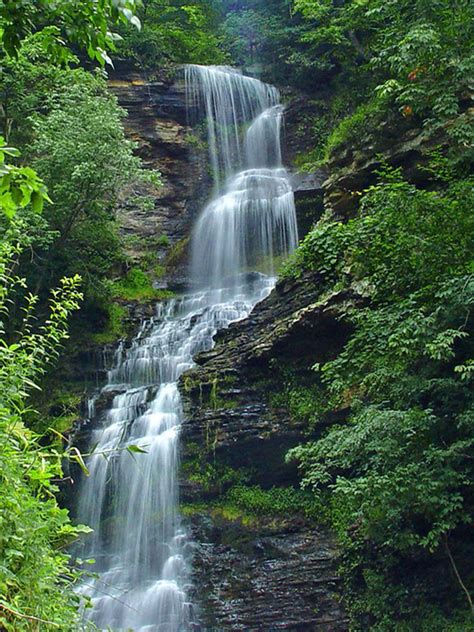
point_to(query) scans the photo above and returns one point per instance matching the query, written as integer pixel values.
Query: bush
(353, 127)
(395, 476)
(277, 501)
(35, 576)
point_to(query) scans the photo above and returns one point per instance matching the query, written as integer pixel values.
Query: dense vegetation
(174, 31)
(395, 477)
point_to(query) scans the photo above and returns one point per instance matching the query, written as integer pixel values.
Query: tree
(182, 31)
(420, 52)
(71, 22)
(80, 150)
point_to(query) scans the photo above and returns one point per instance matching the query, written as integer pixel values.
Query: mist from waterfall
(142, 551)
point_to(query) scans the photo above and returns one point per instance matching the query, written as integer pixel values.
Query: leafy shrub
(395, 477)
(35, 576)
(322, 250)
(277, 501)
(353, 127)
(135, 286)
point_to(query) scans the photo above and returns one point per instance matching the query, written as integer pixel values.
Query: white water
(131, 497)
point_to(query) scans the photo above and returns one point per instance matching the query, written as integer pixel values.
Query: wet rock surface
(266, 579)
(157, 122)
(264, 574)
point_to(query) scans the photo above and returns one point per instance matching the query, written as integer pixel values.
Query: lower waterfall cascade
(141, 550)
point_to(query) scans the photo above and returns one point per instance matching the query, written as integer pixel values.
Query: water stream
(139, 544)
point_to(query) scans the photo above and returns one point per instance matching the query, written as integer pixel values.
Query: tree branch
(458, 576)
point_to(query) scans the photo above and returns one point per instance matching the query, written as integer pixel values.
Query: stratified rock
(157, 122)
(262, 576)
(398, 143)
(261, 579)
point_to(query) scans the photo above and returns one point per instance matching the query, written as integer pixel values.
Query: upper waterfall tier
(251, 221)
(229, 100)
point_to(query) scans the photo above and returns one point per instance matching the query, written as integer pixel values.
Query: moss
(177, 254)
(268, 265)
(194, 141)
(254, 506)
(163, 241)
(137, 286)
(277, 501)
(332, 132)
(58, 407)
(214, 394)
(232, 513)
(352, 127)
(115, 328)
(219, 512)
(158, 271)
(210, 475)
(192, 509)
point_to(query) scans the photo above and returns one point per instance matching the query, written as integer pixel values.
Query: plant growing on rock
(396, 474)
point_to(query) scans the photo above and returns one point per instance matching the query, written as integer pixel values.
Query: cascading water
(253, 219)
(130, 499)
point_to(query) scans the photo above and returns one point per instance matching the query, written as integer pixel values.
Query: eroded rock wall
(259, 572)
(157, 121)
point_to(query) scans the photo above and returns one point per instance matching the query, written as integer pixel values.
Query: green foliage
(71, 131)
(353, 127)
(277, 501)
(182, 31)
(82, 22)
(322, 249)
(72, 128)
(19, 186)
(137, 286)
(177, 254)
(163, 241)
(56, 410)
(390, 248)
(305, 403)
(115, 327)
(396, 476)
(210, 476)
(350, 93)
(262, 35)
(35, 575)
(80, 150)
(387, 59)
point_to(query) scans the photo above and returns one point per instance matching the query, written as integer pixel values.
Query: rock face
(258, 573)
(308, 187)
(267, 579)
(157, 122)
(398, 143)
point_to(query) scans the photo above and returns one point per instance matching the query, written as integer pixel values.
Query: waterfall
(140, 547)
